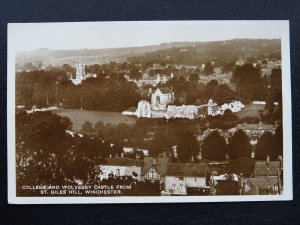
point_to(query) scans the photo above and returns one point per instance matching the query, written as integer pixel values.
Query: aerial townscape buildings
(162, 124)
(193, 178)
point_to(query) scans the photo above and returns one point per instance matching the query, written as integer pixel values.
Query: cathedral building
(80, 74)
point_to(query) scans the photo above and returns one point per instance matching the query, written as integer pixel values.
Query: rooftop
(164, 90)
(161, 164)
(256, 126)
(123, 162)
(187, 169)
(265, 168)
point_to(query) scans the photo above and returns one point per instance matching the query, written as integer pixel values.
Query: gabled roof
(161, 165)
(164, 90)
(124, 162)
(266, 168)
(187, 169)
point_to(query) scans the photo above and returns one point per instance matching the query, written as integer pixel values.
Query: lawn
(79, 117)
(250, 111)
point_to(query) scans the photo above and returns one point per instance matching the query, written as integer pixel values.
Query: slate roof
(266, 169)
(187, 169)
(124, 162)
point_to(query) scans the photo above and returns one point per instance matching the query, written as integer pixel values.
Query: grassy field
(250, 111)
(78, 117)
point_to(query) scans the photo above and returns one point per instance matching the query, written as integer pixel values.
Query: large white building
(80, 74)
(119, 167)
(213, 109)
(160, 107)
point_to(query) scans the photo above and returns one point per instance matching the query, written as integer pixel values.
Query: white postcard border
(282, 25)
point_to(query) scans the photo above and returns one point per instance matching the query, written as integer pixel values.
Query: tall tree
(214, 147)
(187, 146)
(265, 147)
(87, 127)
(249, 82)
(239, 145)
(208, 69)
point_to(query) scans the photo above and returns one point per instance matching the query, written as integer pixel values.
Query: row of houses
(193, 178)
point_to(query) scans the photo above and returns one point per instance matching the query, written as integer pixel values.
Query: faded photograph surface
(184, 111)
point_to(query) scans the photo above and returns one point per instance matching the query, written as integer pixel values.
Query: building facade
(180, 177)
(118, 167)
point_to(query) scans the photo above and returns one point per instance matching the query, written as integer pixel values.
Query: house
(118, 167)
(154, 169)
(182, 178)
(266, 179)
(256, 130)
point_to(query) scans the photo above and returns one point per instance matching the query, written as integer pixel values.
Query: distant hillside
(202, 52)
(176, 52)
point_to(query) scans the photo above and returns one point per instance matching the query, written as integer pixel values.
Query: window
(181, 187)
(152, 174)
(118, 172)
(174, 186)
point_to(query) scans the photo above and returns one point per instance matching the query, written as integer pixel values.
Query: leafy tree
(214, 147)
(278, 141)
(160, 143)
(244, 165)
(187, 146)
(239, 145)
(228, 67)
(194, 78)
(249, 82)
(208, 69)
(265, 147)
(87, 127)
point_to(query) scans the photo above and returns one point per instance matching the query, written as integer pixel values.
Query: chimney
(122, 155)
(154, 161)
(150, 91)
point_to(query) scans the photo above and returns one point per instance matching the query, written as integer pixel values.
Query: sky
(97, 35)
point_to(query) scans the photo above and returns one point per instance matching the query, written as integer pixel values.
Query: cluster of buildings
(81, 74)
(213, 109)
(254, 131)
(148, 80)
(193, 178)
(222, 78)
(161, 107)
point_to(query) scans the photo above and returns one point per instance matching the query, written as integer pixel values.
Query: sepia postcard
(149, 112)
